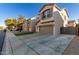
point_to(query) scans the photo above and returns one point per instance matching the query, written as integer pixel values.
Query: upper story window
(47, 14)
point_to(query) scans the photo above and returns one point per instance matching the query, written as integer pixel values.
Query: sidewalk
(12, 46)
(6, 46)
(73, 48)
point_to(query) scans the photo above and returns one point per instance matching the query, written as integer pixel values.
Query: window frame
(46, 13)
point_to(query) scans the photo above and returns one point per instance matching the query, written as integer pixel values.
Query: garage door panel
(46, 29)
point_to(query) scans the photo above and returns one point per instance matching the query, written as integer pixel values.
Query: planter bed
(22, 33)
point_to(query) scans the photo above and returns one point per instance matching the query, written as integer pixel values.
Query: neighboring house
(27, 26)
(34, 21)
(30, 26)
(52, 18)
(71, 23)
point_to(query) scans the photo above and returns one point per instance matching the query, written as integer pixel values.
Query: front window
(47, 13)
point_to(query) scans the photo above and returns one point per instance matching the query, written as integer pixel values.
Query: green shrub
(23, 33)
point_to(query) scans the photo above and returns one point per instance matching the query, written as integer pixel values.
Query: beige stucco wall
(71, 24)
(59, 20)
(25, 27)
(55, 9)
(58, 23)
(37, 28)
(65, 17)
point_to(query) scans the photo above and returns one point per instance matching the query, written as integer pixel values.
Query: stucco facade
(30, 26)
(71, 23)
(56, 19)
(27, 26)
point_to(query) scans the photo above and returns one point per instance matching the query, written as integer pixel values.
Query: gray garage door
(46, 29)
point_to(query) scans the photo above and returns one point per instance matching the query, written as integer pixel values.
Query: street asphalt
(2, 36)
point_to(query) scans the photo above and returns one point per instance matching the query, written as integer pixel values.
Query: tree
(20, 22)
(10, 22)
(21, 19)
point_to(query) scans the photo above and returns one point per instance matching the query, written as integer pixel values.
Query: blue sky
(10, 10)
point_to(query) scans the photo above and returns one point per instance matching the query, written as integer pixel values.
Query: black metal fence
(69, 30)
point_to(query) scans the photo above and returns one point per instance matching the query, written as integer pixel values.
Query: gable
(45, 7)
(55, 9)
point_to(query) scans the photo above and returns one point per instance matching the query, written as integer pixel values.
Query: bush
(23, 33)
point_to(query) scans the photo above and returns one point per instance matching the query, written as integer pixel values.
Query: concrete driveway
(47, 44)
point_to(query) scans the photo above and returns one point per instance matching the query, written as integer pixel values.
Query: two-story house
(52, 18)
